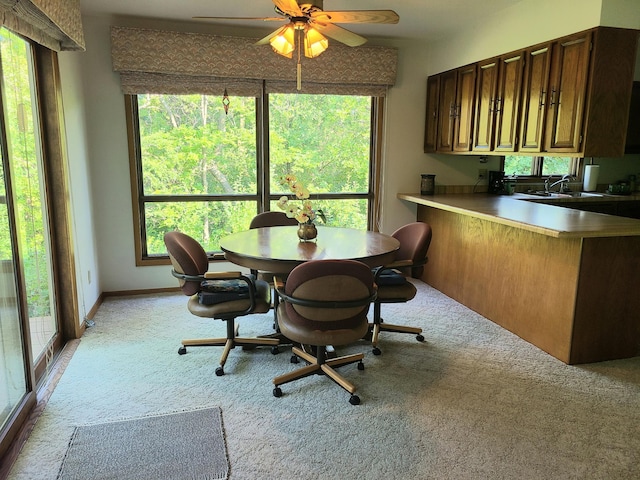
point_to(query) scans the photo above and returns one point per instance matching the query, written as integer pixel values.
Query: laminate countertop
(526, 212)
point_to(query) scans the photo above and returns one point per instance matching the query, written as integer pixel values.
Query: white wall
(106, 143)
(80, 178)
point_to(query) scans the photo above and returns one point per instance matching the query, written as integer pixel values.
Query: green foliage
(189, 146)
(523, 166)
(25, 172)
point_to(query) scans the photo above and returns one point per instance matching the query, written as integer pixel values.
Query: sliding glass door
(27, 178)
(28, 322)
(13, 378)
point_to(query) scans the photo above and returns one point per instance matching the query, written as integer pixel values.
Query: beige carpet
(472, 402)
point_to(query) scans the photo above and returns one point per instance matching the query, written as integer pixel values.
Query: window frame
(537, 163)
(263, 196)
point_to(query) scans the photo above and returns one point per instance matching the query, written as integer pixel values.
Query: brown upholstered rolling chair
(272, 219)
(190, 265)
(324, 302)
(414, 239)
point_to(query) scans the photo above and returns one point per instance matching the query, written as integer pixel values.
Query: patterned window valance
(56, 24)
(155, 61)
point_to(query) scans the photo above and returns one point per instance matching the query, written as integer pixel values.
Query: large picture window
(207, 172)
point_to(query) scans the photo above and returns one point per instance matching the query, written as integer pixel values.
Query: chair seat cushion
(396, 293)
(239, 306)
(390, 276)
(219, 291)
(302, 333)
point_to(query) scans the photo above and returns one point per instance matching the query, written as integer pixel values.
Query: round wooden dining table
(278, 249)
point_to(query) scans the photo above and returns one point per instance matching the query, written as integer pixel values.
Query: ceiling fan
(310, 23)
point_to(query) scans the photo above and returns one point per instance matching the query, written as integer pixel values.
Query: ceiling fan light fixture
(283, 42)
(314, 43)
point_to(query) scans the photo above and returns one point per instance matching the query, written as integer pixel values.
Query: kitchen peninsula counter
(564, 280)
(530, 213)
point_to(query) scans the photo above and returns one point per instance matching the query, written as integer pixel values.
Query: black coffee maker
(496, 182)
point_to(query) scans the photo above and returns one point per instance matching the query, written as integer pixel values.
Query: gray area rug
(185, 445)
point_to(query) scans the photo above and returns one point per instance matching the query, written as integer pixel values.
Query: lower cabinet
(621, 208)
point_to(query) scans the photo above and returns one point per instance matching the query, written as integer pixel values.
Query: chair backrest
(327, 282)
(272, 219)
(414, 239)
(187, 257)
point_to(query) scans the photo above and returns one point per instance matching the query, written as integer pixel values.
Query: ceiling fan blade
(265, 19)
(340, 34)
(265, 40)
(289, 7)
(357, 16)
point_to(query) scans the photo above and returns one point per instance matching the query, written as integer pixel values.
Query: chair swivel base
(228, 344)
(320, 365)
(376, 327)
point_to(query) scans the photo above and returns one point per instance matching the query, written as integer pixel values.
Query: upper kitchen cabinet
(485, 105)
(566, 93)
(534, 97)
(497, 103)
(508, 102)
(455, 111)
(431, 121)
(567, 96)
(609, 91)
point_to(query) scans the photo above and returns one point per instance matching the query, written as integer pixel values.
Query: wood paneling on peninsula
(542, 272)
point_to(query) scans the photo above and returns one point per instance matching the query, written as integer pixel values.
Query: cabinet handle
(492, 106)
(452, 110)
(553, 97)
(543, 95)
(498, 105)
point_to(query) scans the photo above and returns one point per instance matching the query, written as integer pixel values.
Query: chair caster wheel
(354, 400)
(294, 359)
(182, 350)
(219, 371)
(275, 350)
(360, 366)
(420, 338)
(376, 351)
(277, 392)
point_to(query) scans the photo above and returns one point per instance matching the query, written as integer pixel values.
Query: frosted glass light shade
(283, 42)
(314, 43)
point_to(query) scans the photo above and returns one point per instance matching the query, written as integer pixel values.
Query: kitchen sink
(563, 195)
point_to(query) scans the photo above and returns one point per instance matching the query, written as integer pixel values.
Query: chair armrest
(206, 276)
(328, 303)
(222, 275)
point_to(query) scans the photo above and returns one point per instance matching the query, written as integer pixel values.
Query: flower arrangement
(303, 212)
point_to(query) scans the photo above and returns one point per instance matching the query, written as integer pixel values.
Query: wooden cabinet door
(431, 120)
(508, 102)
(567, 93)
(485, 105)
(463, 122)
(446, 111)
(534, 98)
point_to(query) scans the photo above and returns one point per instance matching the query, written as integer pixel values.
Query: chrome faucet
(562, 182)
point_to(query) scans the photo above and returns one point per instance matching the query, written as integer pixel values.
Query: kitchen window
(207, 172)
(526, 167)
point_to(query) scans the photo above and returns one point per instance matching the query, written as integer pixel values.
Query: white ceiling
(424, 19)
